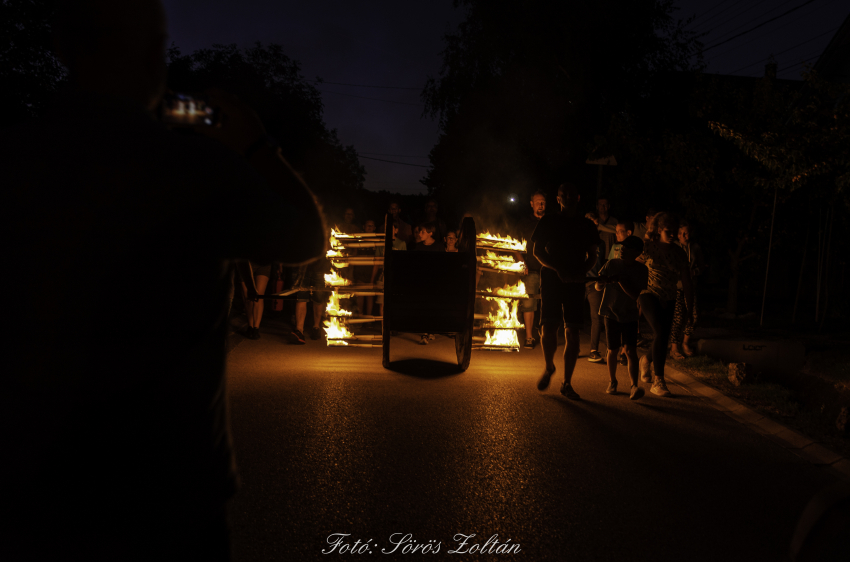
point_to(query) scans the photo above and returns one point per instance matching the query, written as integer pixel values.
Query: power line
(737, 15)
(774, 30)
(393, 155)
(702, 15)
(786, 50)
(800, 64)
(759, 25)
(749, 21)
(373, 99)
(364, 85)
(391, 162)
(721, 12)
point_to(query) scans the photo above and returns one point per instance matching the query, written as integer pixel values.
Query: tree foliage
(524, 86)
(290, 108)
(29, 71)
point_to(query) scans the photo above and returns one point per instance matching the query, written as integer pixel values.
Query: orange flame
(517, 290)
(336, 330)
(501, 262)
(337, 342)
(506, 317)
(335, 254)
(506, 242)
(333, 307)
(336, 244)
(502, 338)
(333, 279)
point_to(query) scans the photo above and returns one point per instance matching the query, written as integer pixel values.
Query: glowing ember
(505, 242)
(339, 234)
(506, 316)
(333, 305)
(502, 338)
(333, 279)
(336, 330)
(337, 342)
(501, 262)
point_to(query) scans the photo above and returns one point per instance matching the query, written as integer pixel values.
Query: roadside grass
(769, 399)
(832, 364)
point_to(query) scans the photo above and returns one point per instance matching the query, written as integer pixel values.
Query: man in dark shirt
(566, 244)
(531, 279)
(113, 418)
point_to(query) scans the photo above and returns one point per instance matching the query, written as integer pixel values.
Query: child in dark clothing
(622, 280)
(426, 241)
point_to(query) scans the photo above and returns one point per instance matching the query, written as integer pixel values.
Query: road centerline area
(327, 441)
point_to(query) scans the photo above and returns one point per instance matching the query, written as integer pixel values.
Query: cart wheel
(386, 346)
(388, 279)
(463, 347)
(463, 340)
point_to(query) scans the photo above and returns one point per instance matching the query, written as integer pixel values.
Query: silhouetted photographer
(122, 235)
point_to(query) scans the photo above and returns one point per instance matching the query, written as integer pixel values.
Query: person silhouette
(114, 407)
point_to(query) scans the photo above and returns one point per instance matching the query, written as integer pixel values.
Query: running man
(565, 243)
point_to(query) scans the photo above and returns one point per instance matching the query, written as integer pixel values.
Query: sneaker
(645, 367)
(298, 337)
(423, 340)
(594, 357)
(612, 388)
(256, 334)
(659, 388)
(529, 343)
(432, 337)
(315, 333)
(545, 379)
(637, 393)
(567, 390)
(624, 361)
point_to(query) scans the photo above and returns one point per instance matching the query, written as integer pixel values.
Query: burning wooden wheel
(431, 293)
(428, 292)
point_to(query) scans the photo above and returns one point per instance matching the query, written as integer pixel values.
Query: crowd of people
(624, 271)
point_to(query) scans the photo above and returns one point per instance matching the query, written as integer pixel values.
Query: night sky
(396, 45)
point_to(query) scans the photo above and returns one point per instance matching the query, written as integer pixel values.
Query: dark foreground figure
(120, 237)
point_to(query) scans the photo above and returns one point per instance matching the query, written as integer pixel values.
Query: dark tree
(29, 71)
(525, 86)
(290, 108)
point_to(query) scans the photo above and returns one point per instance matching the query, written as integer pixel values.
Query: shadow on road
(424, 368)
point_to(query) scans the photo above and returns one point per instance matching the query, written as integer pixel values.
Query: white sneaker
(659, 388)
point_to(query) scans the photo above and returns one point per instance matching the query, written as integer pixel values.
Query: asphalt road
(328, 441)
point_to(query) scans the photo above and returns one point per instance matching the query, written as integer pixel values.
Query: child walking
(622, 280)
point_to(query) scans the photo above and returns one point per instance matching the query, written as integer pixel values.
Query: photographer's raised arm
(292, 223)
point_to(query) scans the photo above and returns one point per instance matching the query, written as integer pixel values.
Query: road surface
(330, 445)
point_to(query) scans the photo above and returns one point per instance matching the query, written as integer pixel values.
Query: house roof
(834, 62)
